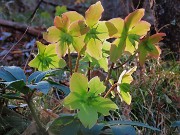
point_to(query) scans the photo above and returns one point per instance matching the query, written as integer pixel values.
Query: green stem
(77, 62)
(109, 74)
(69, 60)
(89, 71)
(37, 120)
(79, 57)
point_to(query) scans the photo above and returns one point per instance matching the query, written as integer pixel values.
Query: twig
(109, 91)
(89, 71)
(109, 74)
(77, 62)
(69, 60)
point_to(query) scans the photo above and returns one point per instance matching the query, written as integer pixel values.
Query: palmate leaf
(86, 97)
(124, 85)
(129, 32)
(148, 47)
(46, 58)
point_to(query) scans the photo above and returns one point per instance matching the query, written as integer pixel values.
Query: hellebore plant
(88, 37)
(86, 97)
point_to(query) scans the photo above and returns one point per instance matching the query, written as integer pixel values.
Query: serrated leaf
(94, 13)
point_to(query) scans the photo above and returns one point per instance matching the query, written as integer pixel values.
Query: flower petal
(141, 28)
(94, 13)
(62, 22)
(52, 35)
(79, 83)
(104, 105)
(96, 86)
(78, 28)
(78, 43)
(73, 16)
(119, 24)
(94, 48)
(61, 49)
(88, 116)
(133, 18)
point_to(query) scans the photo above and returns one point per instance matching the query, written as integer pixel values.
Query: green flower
(46, 58)
(129, 32)
(67, 32)
(85, 96)
(99, 30)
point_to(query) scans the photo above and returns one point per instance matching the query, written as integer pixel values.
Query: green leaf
(61, 49)
(60, 10)
(5, 75)
(96, 86)
(123, 130)
(16, 72)
(88, 116)
(65, 125)
(42, 86)
(103, 63)
(12, 96)
(18, 85)
(132, 123)
(94, 13)
(175, 124)
(78, 83)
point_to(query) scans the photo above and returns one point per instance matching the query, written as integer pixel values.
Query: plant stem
(109, 91)
(37, 120)
(131, 57)
(77, 62)
(79, 57)
(109, 74)
(69, 61)
(89, 71)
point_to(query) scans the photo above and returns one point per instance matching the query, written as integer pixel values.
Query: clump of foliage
(89, 97)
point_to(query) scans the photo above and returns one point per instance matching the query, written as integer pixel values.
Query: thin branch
(77, 62)
(109, 91)
(109, 74)
(69, 60)
(89, 71)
